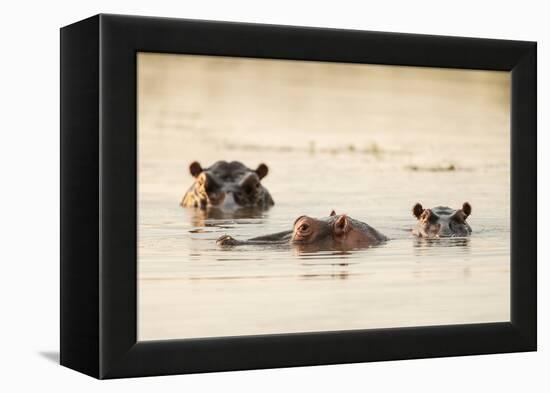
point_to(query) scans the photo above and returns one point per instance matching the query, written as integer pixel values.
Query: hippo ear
(332, 213)
(195, 168)
(467, 209)
(262, 170)
(417, 210)
(342, 225)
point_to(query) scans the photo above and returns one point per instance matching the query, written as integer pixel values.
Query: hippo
(337, 231)
(442, 221)
(227, 185)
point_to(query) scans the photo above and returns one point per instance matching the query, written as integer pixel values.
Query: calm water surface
(369, 142)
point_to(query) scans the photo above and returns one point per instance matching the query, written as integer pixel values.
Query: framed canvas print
(239, 196)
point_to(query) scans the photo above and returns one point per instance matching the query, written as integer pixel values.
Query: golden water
(369, 141)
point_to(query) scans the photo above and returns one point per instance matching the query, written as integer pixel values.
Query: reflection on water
(366, 141)
(215, 217)
(441, 242)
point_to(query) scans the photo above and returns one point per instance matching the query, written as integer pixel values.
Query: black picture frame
(98, 196)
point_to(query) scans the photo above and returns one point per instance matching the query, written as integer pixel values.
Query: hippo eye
(304, 227)
(458, 219)
(251, 187)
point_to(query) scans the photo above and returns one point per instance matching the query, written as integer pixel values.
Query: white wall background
(29, 194)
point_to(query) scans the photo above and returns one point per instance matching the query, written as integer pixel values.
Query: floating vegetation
(372, 149)
(436, 168)
(249, 147)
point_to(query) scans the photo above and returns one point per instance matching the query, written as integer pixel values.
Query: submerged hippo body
(227, 185)
(442, 221)
(333, 232)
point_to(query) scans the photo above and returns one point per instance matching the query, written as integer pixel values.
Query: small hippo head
(336, 229)
(227, 185)
(442, 221)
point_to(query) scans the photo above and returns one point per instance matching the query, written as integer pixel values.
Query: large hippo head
(442, 221)
(227, 185)
(338, 229)
(308, 234)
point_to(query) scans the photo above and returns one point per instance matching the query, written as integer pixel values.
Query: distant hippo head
(227, 185)
(442, 221)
